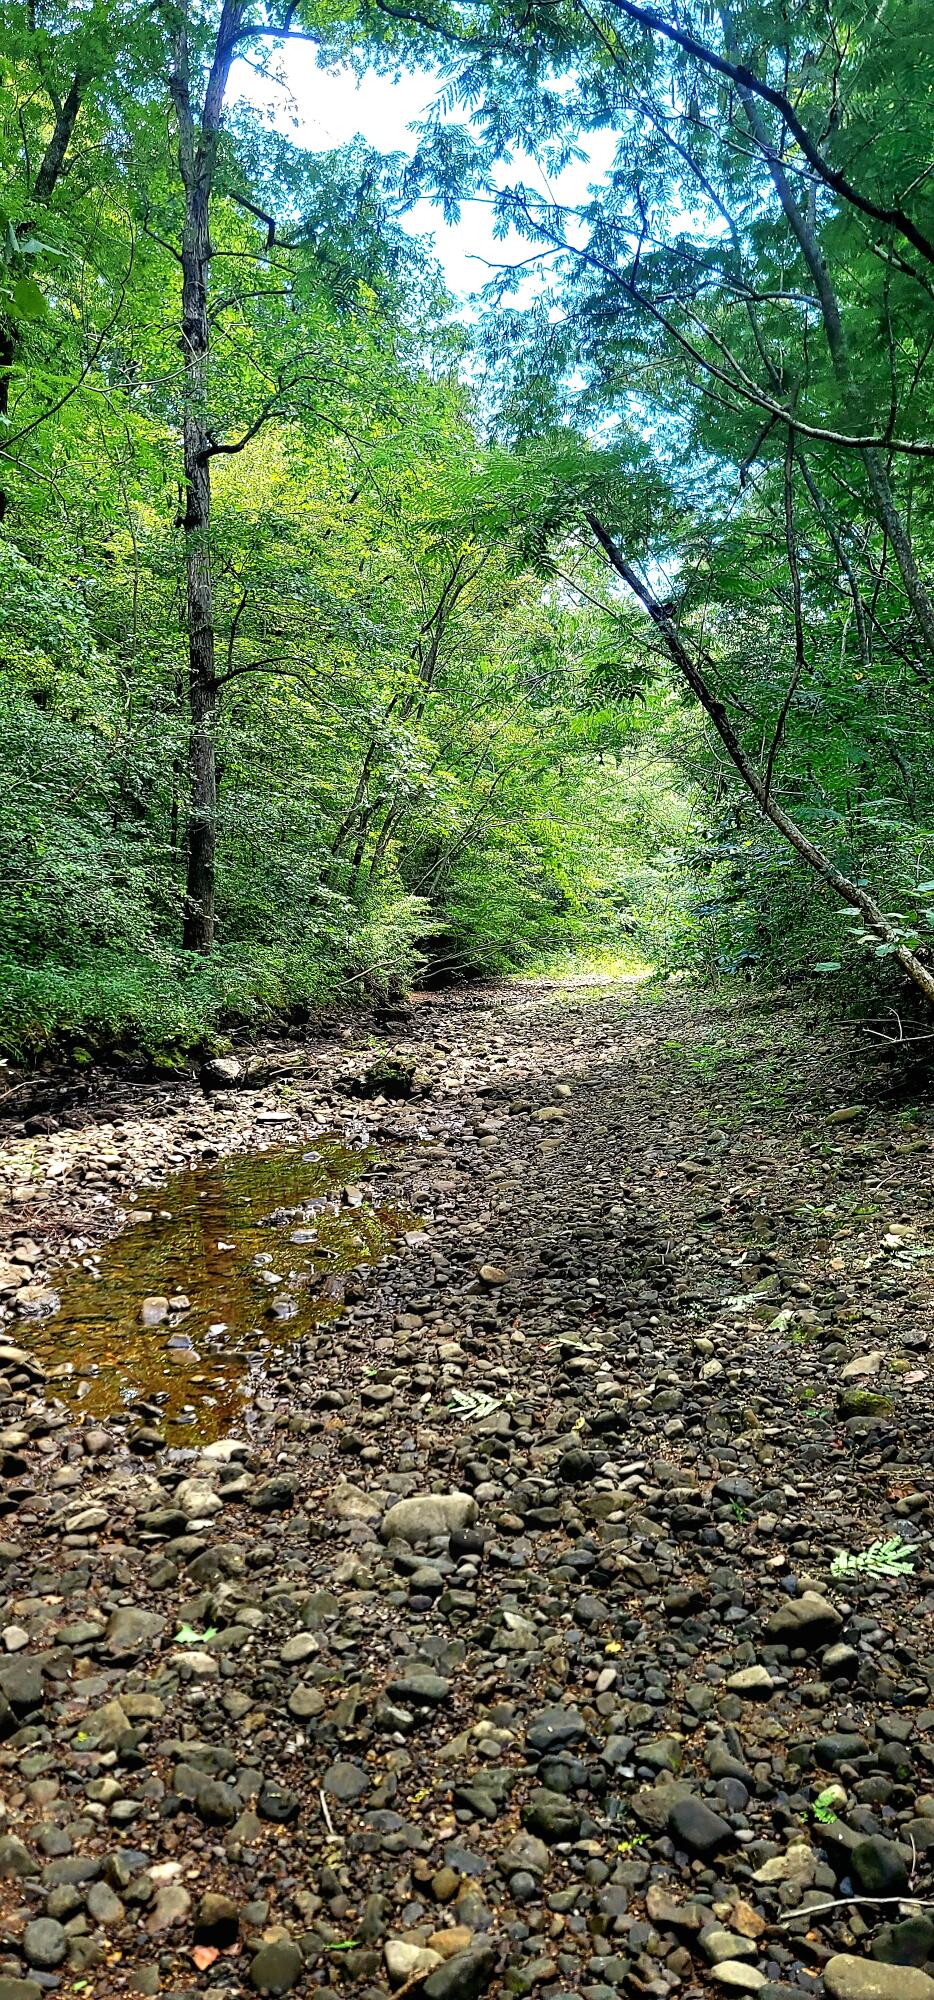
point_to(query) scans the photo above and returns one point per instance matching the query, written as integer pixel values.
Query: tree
(65, 81)
(750, 289)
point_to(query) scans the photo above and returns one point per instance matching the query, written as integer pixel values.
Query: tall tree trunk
(198, 929)
(850, 892)
(197, 160)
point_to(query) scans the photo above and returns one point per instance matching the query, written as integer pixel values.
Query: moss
(863, 1403)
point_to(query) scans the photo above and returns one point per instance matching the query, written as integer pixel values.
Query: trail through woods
(489, 1639)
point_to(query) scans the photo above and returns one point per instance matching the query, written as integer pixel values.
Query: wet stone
(427, 1515)
(879, 1867)
(909, 1942)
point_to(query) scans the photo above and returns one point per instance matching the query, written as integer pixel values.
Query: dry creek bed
(432, 1585)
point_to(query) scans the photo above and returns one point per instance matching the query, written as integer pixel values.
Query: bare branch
(694, 676)
(746, 80)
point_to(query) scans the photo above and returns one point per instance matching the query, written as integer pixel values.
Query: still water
(236, 1260)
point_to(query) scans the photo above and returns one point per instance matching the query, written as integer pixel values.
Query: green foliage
(883, 1558)
(705, 355)
(448, 737)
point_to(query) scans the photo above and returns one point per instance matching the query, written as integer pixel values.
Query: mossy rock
(863, 1403)
(391, 1076)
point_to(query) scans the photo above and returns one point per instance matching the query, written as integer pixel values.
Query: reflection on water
(245, 1258)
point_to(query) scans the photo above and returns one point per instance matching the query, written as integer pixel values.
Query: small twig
(901, 1041)
(415, 1979)
(327, 1818)
(844, 1902)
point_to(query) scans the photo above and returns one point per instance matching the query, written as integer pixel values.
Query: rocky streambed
(528, 1589)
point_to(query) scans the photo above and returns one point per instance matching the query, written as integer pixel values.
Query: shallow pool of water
(217, 1250)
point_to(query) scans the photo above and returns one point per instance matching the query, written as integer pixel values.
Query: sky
(322, 110)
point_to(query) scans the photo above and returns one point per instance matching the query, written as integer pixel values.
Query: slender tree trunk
(197, 158)
(53, 160)
(198, 930)
(43, 188)
(849, 891)
(7, 363)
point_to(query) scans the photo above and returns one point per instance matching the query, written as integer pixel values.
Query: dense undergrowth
(88, 959)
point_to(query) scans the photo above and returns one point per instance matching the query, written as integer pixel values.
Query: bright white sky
(321, 110)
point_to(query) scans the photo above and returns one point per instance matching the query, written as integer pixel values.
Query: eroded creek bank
(436, 1589)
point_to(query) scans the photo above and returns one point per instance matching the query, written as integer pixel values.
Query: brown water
(211, 1240)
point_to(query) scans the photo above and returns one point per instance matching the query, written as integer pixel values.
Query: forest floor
(430, 1588)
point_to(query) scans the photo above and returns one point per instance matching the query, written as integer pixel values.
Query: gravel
(497, 1643)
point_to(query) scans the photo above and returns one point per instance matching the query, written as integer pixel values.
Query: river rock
(404, 1960)
(463, 1977)
(217, 1920)
(131, 1631)
(426, 1515)
(45, 1944)
(347, 1502)
(734, 1977)
(879, 1866)
(277, 1967)
(808, 1621)
(694, 1826)
(847, 1978)
(198, 1499)
(220, 1073)
(15, 1858)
